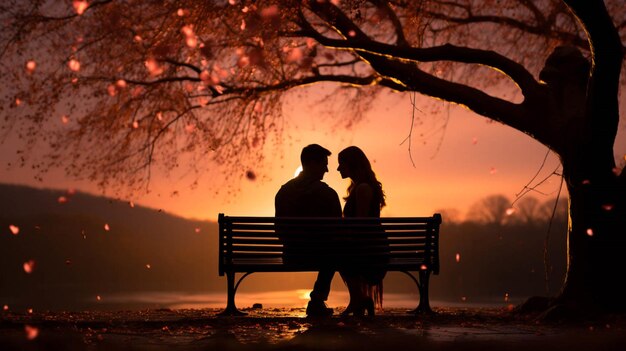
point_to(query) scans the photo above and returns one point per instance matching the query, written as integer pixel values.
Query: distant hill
(77, 259)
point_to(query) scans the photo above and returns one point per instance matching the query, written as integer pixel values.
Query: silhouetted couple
(307, 196)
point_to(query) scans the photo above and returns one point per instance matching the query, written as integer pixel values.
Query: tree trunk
(596, 243)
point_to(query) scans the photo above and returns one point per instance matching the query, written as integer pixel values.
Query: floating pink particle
(31, 332)
(493, 170)
(232, 2)
(65, 119)
(68, 262)
(30, 311)
(458, 257)
(80, 6)
(153, 67)
(243, 25)
(474, 141)
(191, 41)
(607, 207)
(14, 229)
(131, 204)
(98, 298)
(506, 297)
(62, 199)
(135, 124)
(137, 38)
(30, 66)
(148, 266)
(423, 267)
(180, 12)
(5, 307)
(106, 227)
(351, 33)
(111, 90)
(586, 182)
(29, 266)
(463, 298)
(74, 65)
(590, 232)
(190, 128)
(197, 230)
(18, 101)
(510, 211)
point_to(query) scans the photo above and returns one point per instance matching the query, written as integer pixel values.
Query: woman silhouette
(365, 199)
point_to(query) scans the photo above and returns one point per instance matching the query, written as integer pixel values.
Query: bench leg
(231, 309)
(424, 303)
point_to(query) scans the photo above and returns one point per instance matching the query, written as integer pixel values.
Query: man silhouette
(307, 196)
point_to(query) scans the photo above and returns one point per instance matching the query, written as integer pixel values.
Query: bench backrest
(270, 244)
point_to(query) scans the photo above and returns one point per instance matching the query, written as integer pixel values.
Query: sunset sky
(455, 166)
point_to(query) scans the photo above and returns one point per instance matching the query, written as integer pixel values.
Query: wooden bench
(268, 244)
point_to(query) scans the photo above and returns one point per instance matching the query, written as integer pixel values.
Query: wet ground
(289, 329)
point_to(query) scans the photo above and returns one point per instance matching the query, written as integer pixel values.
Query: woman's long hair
(355, 159)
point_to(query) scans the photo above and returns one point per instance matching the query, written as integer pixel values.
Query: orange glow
(29, 266)
(14, 229)
(31, 332)
(80, 6)
(74, 65)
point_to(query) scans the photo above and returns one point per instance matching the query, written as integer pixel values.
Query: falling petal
(5, 307)
(80, 6)
(463, 298)
(510, 211)
(586, 182)
(243, 25)
(132, 204)
(474, 141)
(148, 266)
(180, 12)
(68, 262)
(31, 332)
(423, 267)
(18, 101)
(14, 229)
(351, 33)
(65, 119)
(458, 257)
(30, 66)
(98, 298)
(111, 90)
(191, 42)
(190, 128)
(590, 232)
(62, 199)
(29, 266)
(106, 227)
(607, 207)
(135, 124)
(232, 2)
(30, 311)
(506, 297)
(74, 65)
(153, 67)
(121, 83)
(250, 175)
(493, 170)
(137, 38)
(197, 230)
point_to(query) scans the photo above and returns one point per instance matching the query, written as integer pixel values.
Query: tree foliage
(119, 87)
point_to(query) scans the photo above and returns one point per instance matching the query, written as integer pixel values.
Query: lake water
(275, 299)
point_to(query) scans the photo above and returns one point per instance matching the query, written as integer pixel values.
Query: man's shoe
(318, 309)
